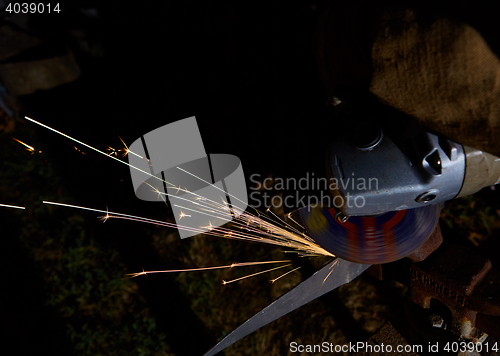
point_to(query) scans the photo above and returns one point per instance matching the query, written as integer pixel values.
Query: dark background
(246, 71)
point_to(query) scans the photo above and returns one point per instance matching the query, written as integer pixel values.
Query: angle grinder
(389, 179)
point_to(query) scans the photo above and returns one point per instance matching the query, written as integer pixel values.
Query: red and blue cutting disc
(371, 240)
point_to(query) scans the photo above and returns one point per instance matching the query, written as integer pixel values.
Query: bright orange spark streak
(149, 220)
(272, 235)
(199, 212)
(242, 264)
(154, 189)
(291, 219)
(28, 147)
(79, 150)
(249, 237)
(158, 223)
(283, 275)
(220, 232)
(12, 206)
(111, 151)
(95, 149)
(131, 217)
(333, 265)
(285, 224)
(241, 215)
(255, 274)
(106, 212)
(127, 151)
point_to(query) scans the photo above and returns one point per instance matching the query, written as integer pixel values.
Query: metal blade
(333, 275)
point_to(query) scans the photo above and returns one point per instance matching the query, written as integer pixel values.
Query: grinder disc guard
(371, 240)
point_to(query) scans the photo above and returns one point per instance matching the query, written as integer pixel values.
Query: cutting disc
(371, 240)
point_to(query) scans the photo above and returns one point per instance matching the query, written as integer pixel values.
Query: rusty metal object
(453, 293)
(463, 280)
(388, 335)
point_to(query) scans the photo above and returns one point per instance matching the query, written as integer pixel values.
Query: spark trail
(243, 225)
(246, 227)
(219, 233)
(12, 206)
(27, 147)
(254, 274)
(95, 149)
(241, 264)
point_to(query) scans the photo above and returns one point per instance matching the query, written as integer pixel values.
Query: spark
(281, 220)
(157, 191)
(252, 233)
(283, 275)
(95, 149)
(209, 227)
(289, 216)
(272, 228)
(200, 212)
(241, 264)
(115, 215)
(254, 274)
(79, 150)
(222, 190)
(276, 235)
(106, 217)
(182, 215)
(27, 147)
(127, 151)
(331, 270)
(109, 214)
(13, 206)
(111, 151)
(244, 226)
(258, 228)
